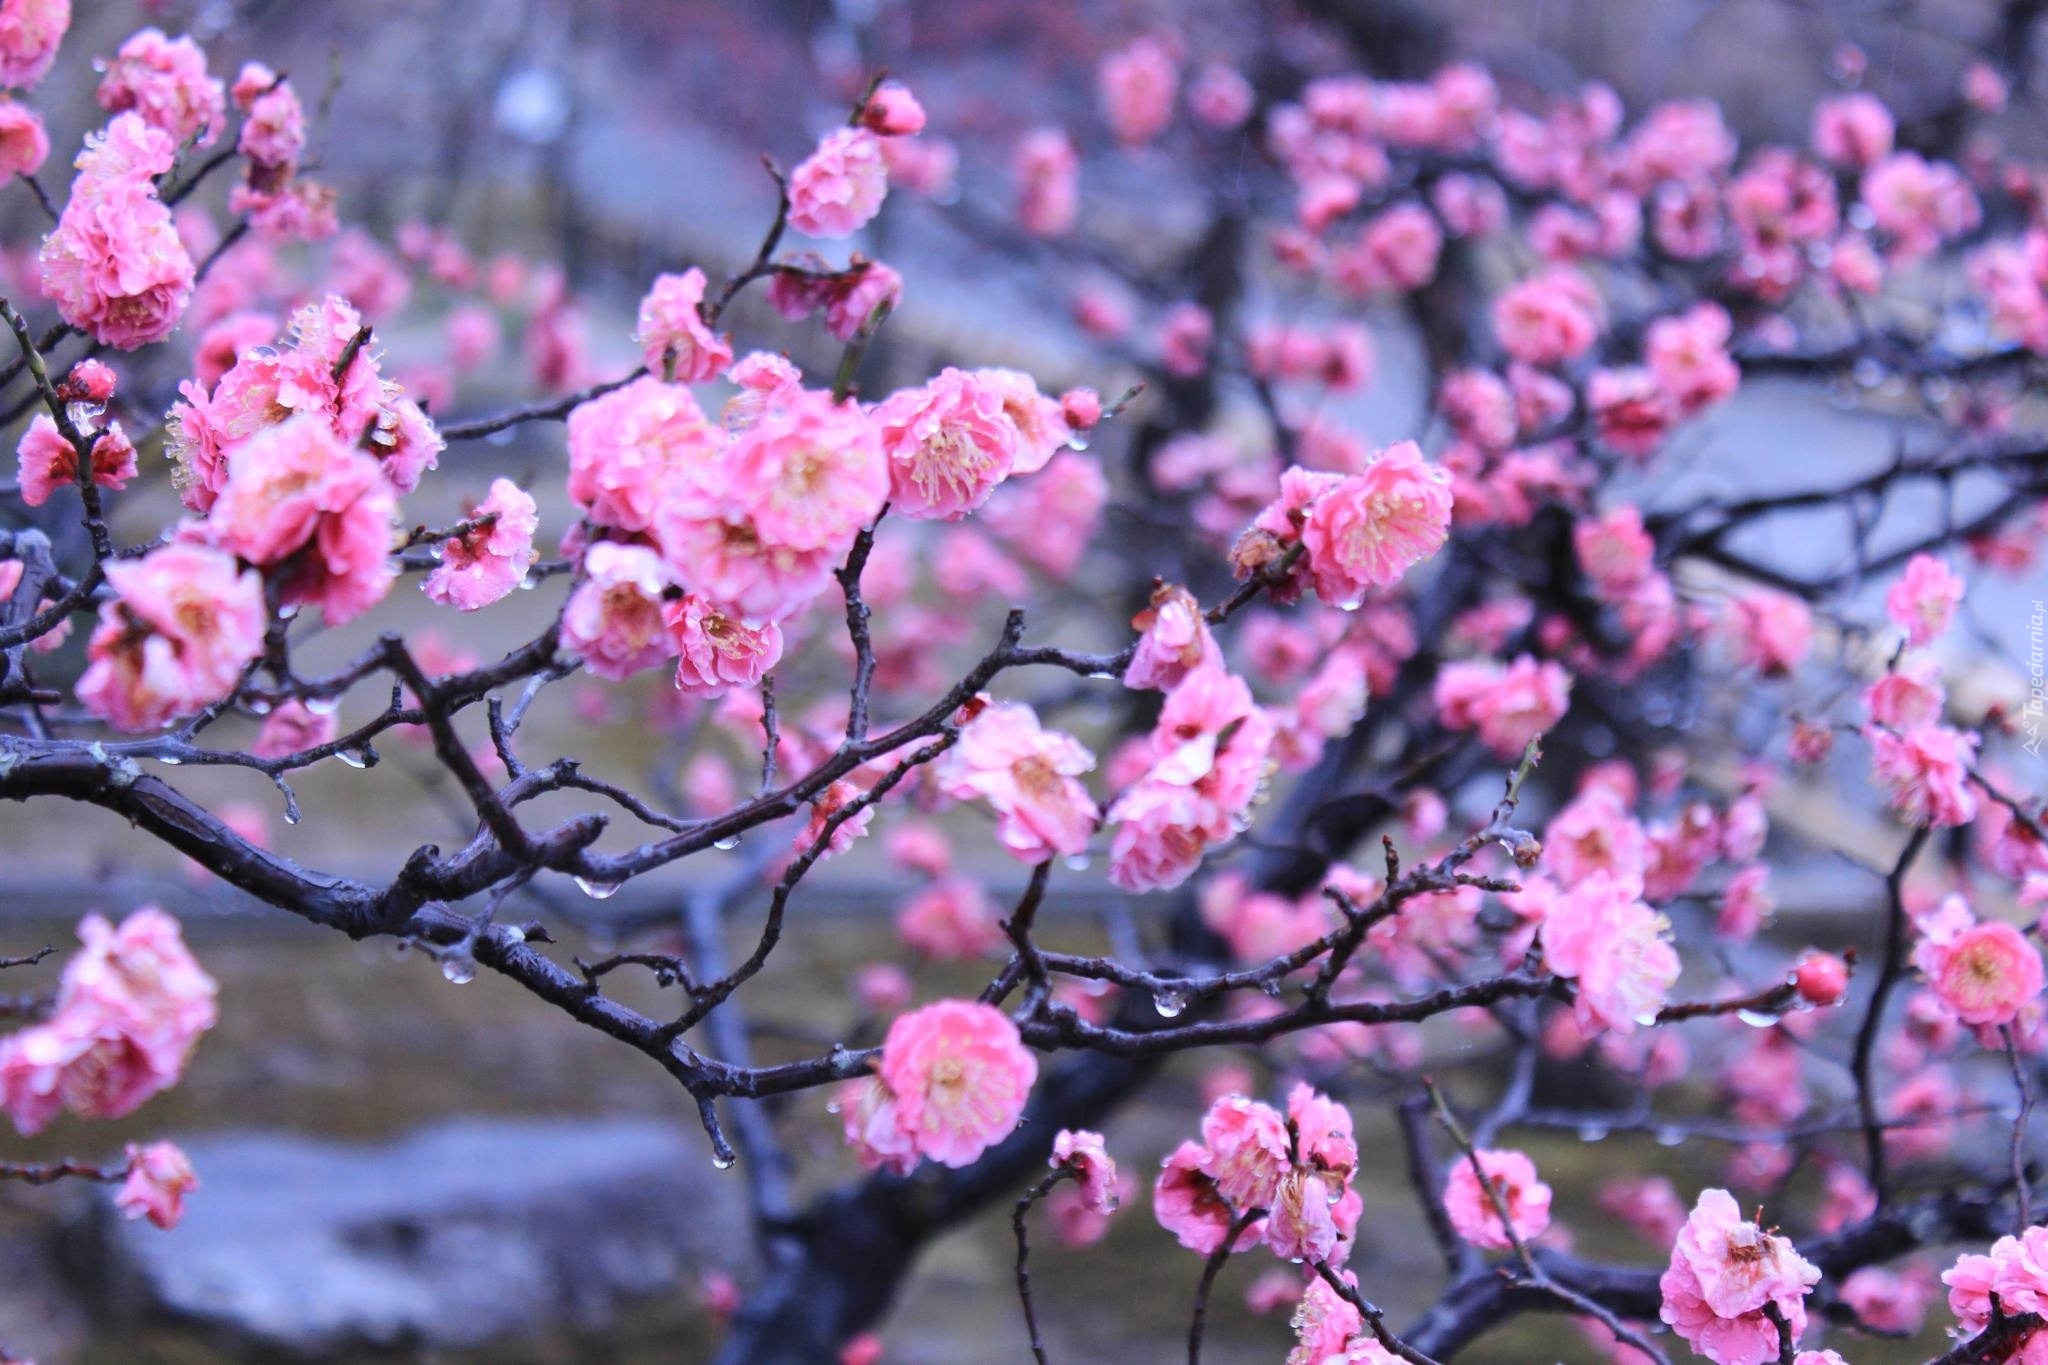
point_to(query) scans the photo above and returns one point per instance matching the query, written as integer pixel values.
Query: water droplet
(727, 844)
(1592, 1132)
(323, 706)
(1670, 1137)
(169, 760)
(1170, 1003)
(597, 890)
(1757, 1018)
(1079, 441)
(291, 815)
(258, 707)
(529, 583)
(514, 934)
(459, 968)
(1077, 862)
(355, 758)
(722, 1161)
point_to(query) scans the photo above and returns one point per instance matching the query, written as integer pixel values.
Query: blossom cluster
(130, 1008)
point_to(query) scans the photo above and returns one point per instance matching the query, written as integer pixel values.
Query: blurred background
(401, 1168)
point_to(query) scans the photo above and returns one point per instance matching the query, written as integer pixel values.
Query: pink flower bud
(1082, 408)
(893, 111)
(1821, 978)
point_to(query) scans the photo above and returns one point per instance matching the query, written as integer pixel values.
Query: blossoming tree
(1515, 648)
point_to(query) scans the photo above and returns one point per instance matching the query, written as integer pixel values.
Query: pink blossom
(485, 563)
(1852, 130)
(1368, 530)
(1469, 206)
(838, 818)
(615, 618)
(164, 80)
(1986, 974)
(869, 1117)
(1679, 140)
(1772, 630)
(29, 33)
(185, 622)
(224, 343)
(115, 265)
(1614, 550)
(950, 920)
(1689, 355)
(1173, 641)
(2015, 1273)
(1220, 96)
(1209, 756)
(1472, 1211)
(1188, 1204)
(1984, 89)
(1479, 407)
(1594, 834)
(1723, 1272)
(1327, 1328)
(1137, 85)
(24, 146)
(959, 1075)
(474, 336)
(714, 651)
(1920, 204)
(625, 446)
(835, 190)
(1924, 599)
(293, 727)
(129, 1010)
(1048, 173)
(1649, 1205)
(1908, 696)
(1547, 320)
(811, 473)
(1746, 903)
(1248, 1151)
(1617, 948)
(1923, 772)
(1890, 1300)
(1042, 430)
(856, 293)
(48, 462)
(1083, 1153)
(675, 343)
(160, 1175)
(298, 500)
(273, 134)
(1396, 252)
(1028, 775)
(764, 381)
(1508, 705)
(949, 445)
(1631, 410)
(1186, 334)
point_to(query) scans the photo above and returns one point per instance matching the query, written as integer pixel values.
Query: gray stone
(460, 1235)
